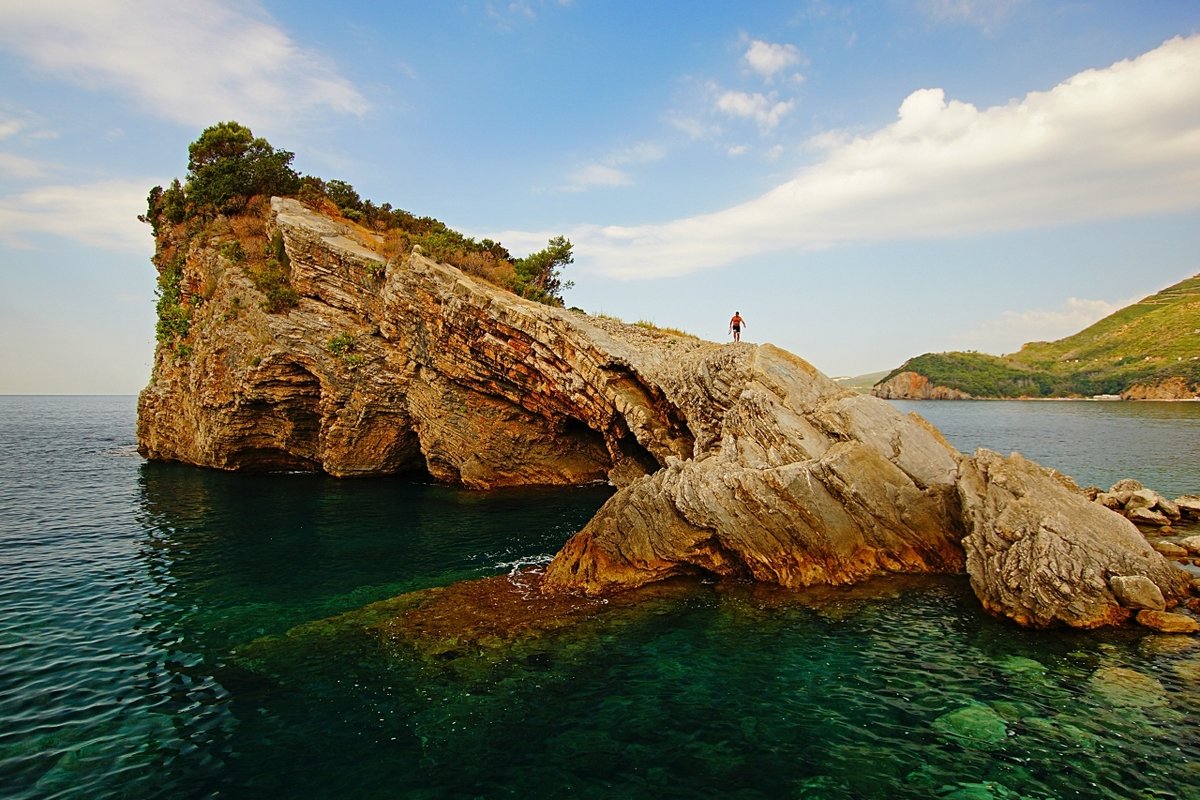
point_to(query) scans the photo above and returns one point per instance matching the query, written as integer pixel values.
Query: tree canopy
(227, 165)
(539, 275)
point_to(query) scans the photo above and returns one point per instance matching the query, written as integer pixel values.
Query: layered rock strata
(734, 461)
(915, 386)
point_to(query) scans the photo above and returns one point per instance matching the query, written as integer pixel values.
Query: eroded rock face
(1039, 552)
(442, 374)
(915, 386)
(1170, 389)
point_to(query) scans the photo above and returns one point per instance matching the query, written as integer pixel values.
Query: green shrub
(341, 344)
(174, 318)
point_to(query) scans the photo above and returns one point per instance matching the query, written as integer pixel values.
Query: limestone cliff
(915, 386)
(734, 461)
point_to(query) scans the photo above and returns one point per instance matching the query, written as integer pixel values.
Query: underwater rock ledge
(737, 461)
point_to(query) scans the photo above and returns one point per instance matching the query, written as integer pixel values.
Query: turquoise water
(131, 590)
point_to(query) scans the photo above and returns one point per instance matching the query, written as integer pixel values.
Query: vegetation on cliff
(231, 173)
(1149, 343)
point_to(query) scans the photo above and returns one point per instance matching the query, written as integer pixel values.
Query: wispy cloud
(1106, 143)
(102, 214)
(984, 14)
(20, 168)
(188, 61)
(610, 171)
(507, 16)
(1012, 329)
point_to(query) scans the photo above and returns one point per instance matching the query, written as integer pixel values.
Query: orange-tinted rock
(915, 386)
(1167, 622)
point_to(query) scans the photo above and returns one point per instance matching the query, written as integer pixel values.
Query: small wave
(518, 564)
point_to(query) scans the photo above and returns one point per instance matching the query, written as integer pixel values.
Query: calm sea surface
(131, 594)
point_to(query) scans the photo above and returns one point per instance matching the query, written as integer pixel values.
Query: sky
(863, 181)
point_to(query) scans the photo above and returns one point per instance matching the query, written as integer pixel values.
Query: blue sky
(864, 182)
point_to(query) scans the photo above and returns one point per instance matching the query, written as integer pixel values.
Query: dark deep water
(128, 591)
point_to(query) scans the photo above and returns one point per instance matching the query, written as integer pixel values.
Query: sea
(149, 644)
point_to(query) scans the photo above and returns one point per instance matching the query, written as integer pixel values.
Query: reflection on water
(149, 648)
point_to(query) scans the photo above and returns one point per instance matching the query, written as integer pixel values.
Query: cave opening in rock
(279, 422)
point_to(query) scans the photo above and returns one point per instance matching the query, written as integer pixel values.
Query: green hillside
(1148, 342)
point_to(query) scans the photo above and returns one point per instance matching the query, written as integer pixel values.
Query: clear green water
(129, 591)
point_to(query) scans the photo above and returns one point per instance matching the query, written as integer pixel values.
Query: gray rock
(1191, 544)
(1170, 549)
(1171, 509)
(1137, 591)
(1189, 506)
(799, 483)
(1040, 553)
(1142, 498)
(1144, 515)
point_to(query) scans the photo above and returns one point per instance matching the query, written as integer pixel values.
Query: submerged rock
(1122, 687)
(975, 725)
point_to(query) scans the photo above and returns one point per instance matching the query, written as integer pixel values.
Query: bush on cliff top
(228, 166)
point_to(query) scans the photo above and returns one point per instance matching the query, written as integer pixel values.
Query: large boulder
(1041, 554)
(801, 483)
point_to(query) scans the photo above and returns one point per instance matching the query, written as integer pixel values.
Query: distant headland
(1149, 350)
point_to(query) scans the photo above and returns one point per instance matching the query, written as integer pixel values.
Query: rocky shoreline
(915, 386)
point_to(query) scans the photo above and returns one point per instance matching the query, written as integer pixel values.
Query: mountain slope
(1150, 348)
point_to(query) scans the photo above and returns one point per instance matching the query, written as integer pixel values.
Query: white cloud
(100, 215)
(770, 59)
(765, 110)
(188, 61)
(1015, 328)
(606, 172)
(1106, 143)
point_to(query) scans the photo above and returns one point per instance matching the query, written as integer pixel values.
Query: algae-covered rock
(975, 725)
(988, 790)
(1127, 688)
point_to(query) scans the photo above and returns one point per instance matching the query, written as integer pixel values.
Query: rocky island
(735, 462)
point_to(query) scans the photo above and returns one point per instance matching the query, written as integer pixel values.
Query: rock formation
(735, 461)
(915, 386)
(1176, 388)
(1039, 552)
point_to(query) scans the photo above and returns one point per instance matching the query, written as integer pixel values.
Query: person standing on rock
(736, 323)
